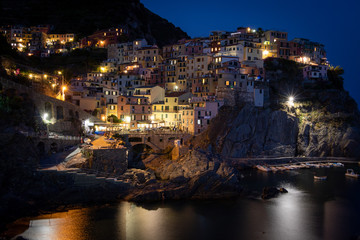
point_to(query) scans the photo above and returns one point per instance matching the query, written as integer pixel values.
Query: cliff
(324, 122)
(84, 18)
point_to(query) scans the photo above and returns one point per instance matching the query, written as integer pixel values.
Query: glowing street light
(63, 92)
(45, 116)
(290, 101)
(30, 75)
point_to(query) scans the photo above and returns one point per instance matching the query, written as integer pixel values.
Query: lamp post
(44, 117)
(62, 80)
(63, 92)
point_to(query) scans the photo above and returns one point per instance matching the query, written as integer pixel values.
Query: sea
(312, 209)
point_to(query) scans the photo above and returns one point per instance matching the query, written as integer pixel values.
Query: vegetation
(71, 16)
(335, 77)
(112, 118)
(16, 109)
(79, 61)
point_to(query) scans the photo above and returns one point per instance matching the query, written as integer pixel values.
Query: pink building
(134, 111)
(196, 116)
(315, 73)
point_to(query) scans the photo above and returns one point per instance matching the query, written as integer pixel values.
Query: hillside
(325, 121)
(83, 18)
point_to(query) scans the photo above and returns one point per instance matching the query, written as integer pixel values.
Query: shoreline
(79, 203)
(251, 162)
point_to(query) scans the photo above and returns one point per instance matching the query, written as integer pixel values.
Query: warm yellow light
(64, 88)
(127, 119)
(53, 85)
(248, 29)
(45, 76)
(125, 71)
(59, 72)
(103, 118)
(102, 69)
(30, 75)
(102, 42)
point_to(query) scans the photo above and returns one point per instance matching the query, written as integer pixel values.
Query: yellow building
(167, 111)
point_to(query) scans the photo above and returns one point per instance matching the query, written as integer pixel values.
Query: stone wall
(111, 161)
(64, 117)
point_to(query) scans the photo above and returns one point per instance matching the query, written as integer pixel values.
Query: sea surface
(328, 209)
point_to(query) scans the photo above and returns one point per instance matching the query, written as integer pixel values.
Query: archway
(53, 147)
(41, 148)
(59, 112)
(49, 109)
(140, 152)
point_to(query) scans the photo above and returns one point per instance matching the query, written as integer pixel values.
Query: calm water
(311, 210)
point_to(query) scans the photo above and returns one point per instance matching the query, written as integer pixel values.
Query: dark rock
(271, 192)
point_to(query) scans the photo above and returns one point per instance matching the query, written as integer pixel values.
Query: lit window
(227, 83)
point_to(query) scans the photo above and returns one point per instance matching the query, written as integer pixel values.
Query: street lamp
(63, 92)
(45, 116)
(291, 101)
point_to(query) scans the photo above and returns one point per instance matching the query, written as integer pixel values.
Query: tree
(334, 75)
(112, 118)
(95, 113)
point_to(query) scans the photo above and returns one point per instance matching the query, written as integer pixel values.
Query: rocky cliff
(324, 122)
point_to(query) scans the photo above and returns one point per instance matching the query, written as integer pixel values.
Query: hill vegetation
(83, 18)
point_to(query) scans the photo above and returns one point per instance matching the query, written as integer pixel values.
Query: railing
(52, 136)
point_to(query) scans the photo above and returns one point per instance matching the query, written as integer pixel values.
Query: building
(153, 93)
(167, 111)
(196, 116)
(134, 111)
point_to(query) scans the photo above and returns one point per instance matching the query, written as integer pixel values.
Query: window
(227, 83)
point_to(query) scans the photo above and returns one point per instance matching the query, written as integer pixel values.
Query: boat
(339, 164)
(262, 168)
(320, 177)
(351, 173)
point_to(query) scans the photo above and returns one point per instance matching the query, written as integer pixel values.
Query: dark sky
(336, 24)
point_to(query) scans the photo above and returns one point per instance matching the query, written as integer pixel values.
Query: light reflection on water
(311, 210)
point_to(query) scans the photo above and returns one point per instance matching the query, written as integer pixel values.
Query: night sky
(333, 23)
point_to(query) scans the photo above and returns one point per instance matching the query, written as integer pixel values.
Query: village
(180, 87)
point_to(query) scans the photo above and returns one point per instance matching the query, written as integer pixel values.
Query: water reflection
(65, 225)
(311, 210)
